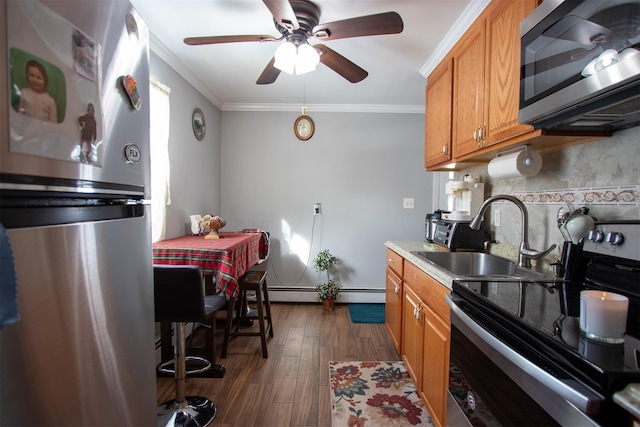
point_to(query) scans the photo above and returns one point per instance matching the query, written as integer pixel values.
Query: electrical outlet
(496, 218)
(316, 209)
(407, 203)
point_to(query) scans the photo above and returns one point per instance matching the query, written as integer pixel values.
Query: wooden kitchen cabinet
(435, 365)
(412, 333)
(395, 262)
(418, 320)
(468, 90)
(393, 308)
(502, 70)
(483, 73)
(487, 78)
(439, 110)
(426, 321)
(393, 298)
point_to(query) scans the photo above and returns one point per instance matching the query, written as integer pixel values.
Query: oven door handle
(568, 401)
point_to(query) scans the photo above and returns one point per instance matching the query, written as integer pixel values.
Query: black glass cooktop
(541, 321)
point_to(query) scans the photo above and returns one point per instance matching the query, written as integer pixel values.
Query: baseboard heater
(308, 294)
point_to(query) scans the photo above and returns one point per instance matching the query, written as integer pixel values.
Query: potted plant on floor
(330, 290)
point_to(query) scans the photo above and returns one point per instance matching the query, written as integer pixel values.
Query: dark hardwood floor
(291, 387)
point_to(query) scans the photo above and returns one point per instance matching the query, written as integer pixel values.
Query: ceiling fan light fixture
(285, 57)
(307, 59)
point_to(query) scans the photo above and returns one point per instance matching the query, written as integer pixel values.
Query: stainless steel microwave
(580, 65)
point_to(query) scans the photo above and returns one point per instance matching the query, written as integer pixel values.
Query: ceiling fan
(297, 21)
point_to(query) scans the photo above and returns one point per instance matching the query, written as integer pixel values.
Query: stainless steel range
(518, 356)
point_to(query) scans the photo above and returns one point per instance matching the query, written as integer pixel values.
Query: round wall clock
(303, 127)
(198, 124)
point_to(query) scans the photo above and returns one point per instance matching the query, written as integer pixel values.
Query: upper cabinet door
(438, 110)
(468, 86)
(502, 69)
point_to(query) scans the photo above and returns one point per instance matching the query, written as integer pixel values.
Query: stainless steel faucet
(525, 254)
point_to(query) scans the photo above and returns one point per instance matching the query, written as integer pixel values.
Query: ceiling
(226, 73)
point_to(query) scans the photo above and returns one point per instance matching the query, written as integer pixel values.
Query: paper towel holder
(528, 160)
(521, 161)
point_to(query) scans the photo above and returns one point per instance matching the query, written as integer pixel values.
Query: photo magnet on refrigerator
(130, 86)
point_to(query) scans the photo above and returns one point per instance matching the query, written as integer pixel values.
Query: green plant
(324, 261)
(327, 290)
(331, 288)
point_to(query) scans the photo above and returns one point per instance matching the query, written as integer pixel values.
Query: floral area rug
(371, 394)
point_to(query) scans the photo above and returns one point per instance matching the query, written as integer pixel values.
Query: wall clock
(198, 124)
(304, 127)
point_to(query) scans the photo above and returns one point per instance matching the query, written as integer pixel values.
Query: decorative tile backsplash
(622, 195)
(602, 175)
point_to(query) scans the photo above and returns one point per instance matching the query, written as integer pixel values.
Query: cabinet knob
(390, 261)
(397, 288)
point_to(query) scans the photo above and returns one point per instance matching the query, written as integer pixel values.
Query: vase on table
(213, 223)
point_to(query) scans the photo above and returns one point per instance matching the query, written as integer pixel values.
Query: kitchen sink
(478, 265)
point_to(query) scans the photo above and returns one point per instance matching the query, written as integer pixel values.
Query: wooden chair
(252, 281)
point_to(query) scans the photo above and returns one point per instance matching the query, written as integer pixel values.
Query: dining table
(224, 260)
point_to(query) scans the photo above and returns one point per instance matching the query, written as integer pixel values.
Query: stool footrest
(207, 364)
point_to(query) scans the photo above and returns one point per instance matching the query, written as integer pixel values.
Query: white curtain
(160, 170)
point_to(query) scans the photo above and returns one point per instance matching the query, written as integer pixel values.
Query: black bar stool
(212, 303)
(179, 298)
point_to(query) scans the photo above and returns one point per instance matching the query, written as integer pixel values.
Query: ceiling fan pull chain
(304, 96)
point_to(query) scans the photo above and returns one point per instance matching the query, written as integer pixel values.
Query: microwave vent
(624, 108)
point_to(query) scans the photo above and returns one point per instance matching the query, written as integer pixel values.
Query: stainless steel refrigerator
(74, 185)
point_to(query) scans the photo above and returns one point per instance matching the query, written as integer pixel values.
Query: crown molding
(326, 108)
(462, 24)
(167, 56)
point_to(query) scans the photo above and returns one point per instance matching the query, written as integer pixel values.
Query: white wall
(251, 170)
(358, 166)
(195, 165)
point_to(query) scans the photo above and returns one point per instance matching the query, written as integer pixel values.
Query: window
(160, 168)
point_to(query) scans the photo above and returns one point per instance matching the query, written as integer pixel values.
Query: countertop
(404, 248)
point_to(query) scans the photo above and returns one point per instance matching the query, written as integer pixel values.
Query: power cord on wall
(306, 266)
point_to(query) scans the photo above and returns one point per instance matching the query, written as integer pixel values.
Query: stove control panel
(619, 239)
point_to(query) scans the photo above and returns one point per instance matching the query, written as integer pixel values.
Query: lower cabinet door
(412, 334)
(435, 366)
(393, 313)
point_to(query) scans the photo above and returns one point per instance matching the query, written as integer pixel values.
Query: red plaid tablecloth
(226, 258)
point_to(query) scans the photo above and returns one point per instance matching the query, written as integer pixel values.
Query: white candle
(603, 315)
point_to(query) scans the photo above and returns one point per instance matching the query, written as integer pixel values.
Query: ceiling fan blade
(370, 25)
(195, 41)
(269, 74)
(340, 64)
(283, 13)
